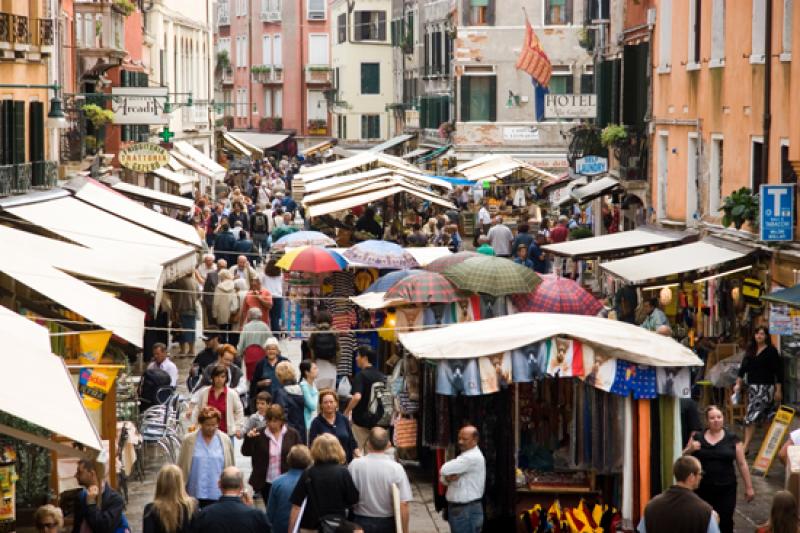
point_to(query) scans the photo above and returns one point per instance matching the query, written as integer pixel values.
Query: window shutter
(448, 50)
(493, 99)
(465, 90)
(36, 141)
(19, 132)
(5, 133)
(123, 78)
(490, 13)
(381, 25)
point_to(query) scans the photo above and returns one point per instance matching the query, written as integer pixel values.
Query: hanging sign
(777, 212)
(94, 383)
(570, 106)
(591, 165)
(143, 157)
(139, 105)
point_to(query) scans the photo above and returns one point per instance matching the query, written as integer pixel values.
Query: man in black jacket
(233, 511)
(99, 507)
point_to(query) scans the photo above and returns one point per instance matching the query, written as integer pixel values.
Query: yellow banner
(94, 383)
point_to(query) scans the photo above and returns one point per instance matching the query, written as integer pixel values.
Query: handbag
(405, 432)
(328, 523)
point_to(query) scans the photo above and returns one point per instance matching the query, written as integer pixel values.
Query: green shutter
(465, 96)
(423, 112)
(370, 78)
(123, 78)
(19, 132)
(493, 99)
(479, 3)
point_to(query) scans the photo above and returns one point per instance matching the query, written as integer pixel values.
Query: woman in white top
(272, 280)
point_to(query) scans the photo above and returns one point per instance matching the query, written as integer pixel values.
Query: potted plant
(739, 208)
(317, 127)
(613, 134)
(586, 39)
(126, 7)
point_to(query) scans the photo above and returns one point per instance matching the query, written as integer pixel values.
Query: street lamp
(56, 118)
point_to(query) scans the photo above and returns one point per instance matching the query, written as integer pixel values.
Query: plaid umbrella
(438, 265)
(312, 259)
(423, 288)
(387, 281)
(492, 275)
(380, 254)
(303, 238)
(558, 295)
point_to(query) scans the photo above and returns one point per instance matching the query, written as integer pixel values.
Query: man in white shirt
(373, 475)
(484, 221)
(500, 238)
(163, 362)
(465, 478)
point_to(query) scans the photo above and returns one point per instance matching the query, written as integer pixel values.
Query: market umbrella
(304, 238)
(438, 265)
(492, 275)
(558, 295)
(312, 259)
(423, 288)
(387, 281)
(281, 232)
(380, 254)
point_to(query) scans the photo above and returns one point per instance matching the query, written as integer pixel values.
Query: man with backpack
(370, 405)
(261, 226)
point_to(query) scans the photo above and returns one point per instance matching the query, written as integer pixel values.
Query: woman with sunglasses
(49, 519)
(718, 449)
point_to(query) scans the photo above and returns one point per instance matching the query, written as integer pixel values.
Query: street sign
(591, 165)
(777, 212)
(570, 106)
(139, 105)
(143, 157)
(521, 133)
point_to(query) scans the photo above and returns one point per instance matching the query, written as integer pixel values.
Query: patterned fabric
(387, 281)
(347, 347)
(641, 380)
(423, 288)
(558, 295)
(760, 406)
(492, 275)
(438, 265)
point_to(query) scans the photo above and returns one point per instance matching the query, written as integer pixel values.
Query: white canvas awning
(594, 189)
(185, 182)
(317, 148)
(360, 199)
(501, 166)
(40, 389)
(695, 259)
(419, 152)
(242, 145)
(426, 255)
(342, 166)
(497, 335)
(200, 158)
(391, 143)
(235, 145)
(615, 242)
(156, 197)
(184, 162)
(259, 141)
(329, 183)
(99, 230)
(373, 300)
(102, 197)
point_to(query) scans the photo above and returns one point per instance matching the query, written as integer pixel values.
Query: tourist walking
(678, 508)
(465, 479)
(264, 378)
(500, 238)
(203, 455)
(327, 484)
(251, 341)
(221, 397)
(226, 356)
(324, 348)
(762, 367)
(280, 506)
(330, 420)
(268, 448)
(272, 280)
(718, 449)
(98, 508)
(259, 298)
(234, 512)
(162, 361)
(308, 376)
(290, 397)
(373, 475)
(364, 395)
(172, 510)
(225, 308)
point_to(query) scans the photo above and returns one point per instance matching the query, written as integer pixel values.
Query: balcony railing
(270, 10)
(266, 74)
(194, 116)
(100, 29)
(223, 14)
(270, 16)
(19, 29)
(319, 74)
(227, 76)
(24, 177)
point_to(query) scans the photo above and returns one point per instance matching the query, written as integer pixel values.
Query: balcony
(270, 11)
(24, 177)
(100, 32)
(319, 74)
(223, 14)
(194, 117)
(19, 33)
(266, 74)
(227, 76)
(631, 155)
(318, 127)
(270, 16)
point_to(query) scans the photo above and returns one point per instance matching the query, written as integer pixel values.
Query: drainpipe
(250, 44)
(767, 91)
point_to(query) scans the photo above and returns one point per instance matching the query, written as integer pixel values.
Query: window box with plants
(317, 127)
(126, 7)
(613, 137)
(270, 124)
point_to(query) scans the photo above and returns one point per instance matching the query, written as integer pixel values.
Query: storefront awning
(189, 151)
(155, 197)
(260, 141)
(317, 148)
(692, 261)
(391, 143)
(497, 335)
(614, 243)
(437, 152)
(234, 145)
(594, 189)
(40, 389)
(251, 150)
(413, 154)
(99, 230)
(184, 182)
(361, 199)
(181, 161)
(790, 296)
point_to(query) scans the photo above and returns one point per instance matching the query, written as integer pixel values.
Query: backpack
(324, 346)
(381, 404)
(260, 224)
(153, 380)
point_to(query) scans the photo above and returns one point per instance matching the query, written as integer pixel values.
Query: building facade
(273, 65)
(363, 58)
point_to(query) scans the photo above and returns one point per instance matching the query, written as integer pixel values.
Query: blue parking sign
(777, 212)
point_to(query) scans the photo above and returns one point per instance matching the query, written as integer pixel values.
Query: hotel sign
(570, 106)
(143, 157)
(139, 105)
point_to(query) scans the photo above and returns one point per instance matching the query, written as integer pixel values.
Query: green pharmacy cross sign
(166, 135)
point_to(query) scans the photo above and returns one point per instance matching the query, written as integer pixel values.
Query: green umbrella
(492, 275)
(282, 231)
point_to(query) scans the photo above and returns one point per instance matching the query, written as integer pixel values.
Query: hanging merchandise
(495, 372)
(601, 369)
(674, 382)
(405, 432)
(528, 363)
(458, 376)
(94, 383)
(564, 357)
(8, 482)
(639, 379)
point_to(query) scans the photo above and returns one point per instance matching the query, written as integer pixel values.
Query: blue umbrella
(387, 281)
(380, 254)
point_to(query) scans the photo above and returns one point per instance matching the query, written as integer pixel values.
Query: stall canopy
(436, 152)
(40, 389)
(259, 141)
(391, 143)
(594, 189)
(235, 146)
(389, 188)
(615, 243)
(143, 194)
(187, 151)
(497, 335)
(790, 296)
(690, 261)
(102, 197)
(500, 166)
(413, 154)
(184, 182)
(242, 145)
(318, 148)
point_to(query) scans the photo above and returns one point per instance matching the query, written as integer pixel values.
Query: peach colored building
(279, 52)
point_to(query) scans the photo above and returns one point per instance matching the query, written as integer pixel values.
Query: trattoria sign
(143, 157)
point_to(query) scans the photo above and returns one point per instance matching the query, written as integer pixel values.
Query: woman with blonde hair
(49, 518)
(172, 509)
(290, 396)
(328, 486)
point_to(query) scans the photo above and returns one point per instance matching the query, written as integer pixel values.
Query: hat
(208, 335)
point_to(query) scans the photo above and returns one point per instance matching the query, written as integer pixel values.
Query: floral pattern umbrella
(558, 295)
(303, 238)
(492, 275)
(438, 265)
(423, 288)
(312, 259)
(387, 281)
(380, 254)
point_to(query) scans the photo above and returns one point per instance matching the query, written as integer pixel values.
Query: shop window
(478, 98)
(756, 154)
(370, 127)
(370, 25)
(370, 78)
(557, 12)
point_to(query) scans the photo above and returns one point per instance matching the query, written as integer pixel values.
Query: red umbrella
(440, 264)
(558, 295)
(423, 288)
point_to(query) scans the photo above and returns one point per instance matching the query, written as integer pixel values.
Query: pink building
(279, 69)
